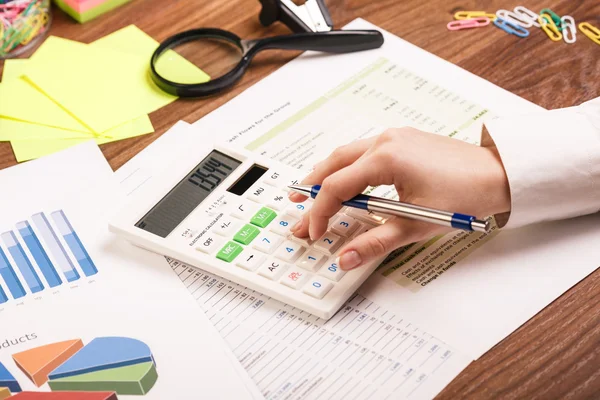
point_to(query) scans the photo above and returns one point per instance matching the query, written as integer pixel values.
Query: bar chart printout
(55, 247)
(18, 254)
(40, 254)
(10, 277)
(74, 243)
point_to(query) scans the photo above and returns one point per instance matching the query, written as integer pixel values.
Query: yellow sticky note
(20, 100)
(11, 129)
(13, 68)
(100, 86)
(30, 149)
(133, 40)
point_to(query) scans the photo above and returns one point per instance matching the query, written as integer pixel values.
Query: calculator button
(250, 259)
(329, 243)
(289, 251)
(261, 193)
(295, 278)
(332, 271)
(210, 244)
(282, 225)
(278, 200)
(267, 242)
(311, 260)
(344, 225)
(243, 209)
(317, 287)
(306, 242)
(297, 210)
(246, 234)
(367, 216)
(273, 269)
(276, 178)
(263, 217)
(226, 226)
(229, 252)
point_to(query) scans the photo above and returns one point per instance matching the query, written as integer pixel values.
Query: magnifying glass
(225, 57)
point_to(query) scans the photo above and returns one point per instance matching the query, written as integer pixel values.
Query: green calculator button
(263, 217)
(229, 252)
(246, 234)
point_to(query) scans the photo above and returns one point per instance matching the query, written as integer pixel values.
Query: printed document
(83, 311)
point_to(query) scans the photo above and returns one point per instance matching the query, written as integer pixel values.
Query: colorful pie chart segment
(7, 382)
(65, 396)
(104, 353)
(135, 379)
(38, 362)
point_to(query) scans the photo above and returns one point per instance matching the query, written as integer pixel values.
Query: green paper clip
(554, 16)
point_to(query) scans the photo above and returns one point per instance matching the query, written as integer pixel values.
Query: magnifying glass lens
(199, 60)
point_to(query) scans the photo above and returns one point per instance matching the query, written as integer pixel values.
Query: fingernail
(297, 226)
(294, 196)
(349, 260)
(311, 233)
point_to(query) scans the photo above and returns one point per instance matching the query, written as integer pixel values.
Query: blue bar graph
(74, 243)
(10, 277)
(55, 247)
(39, 254)
(3, 297)
(18, 254)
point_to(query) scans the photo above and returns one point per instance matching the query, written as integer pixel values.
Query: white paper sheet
(364, 352)
(104, 288)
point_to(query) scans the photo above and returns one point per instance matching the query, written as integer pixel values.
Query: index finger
(340, 158)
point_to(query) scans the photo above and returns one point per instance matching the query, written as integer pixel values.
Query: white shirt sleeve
(552, 161)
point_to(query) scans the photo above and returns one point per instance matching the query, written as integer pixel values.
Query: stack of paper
(69, 92)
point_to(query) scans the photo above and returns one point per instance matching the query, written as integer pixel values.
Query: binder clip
(312, 16)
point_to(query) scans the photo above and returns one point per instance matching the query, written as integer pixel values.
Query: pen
(400, 209)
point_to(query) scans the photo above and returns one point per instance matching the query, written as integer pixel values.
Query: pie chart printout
(101, 370)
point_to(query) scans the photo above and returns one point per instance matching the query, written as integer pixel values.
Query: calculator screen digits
(200, 182)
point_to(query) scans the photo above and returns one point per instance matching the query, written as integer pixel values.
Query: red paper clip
(468, 23)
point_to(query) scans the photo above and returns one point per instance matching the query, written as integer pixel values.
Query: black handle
(329, 42)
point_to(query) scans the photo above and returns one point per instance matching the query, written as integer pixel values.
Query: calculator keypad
(253, 233)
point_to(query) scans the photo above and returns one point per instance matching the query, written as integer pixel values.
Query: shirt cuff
(552, 162)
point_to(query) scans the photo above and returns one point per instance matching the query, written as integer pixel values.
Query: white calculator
(226, 211)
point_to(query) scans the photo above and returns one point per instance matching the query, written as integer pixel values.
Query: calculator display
(197, 185)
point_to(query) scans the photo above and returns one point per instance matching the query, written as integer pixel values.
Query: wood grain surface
(555, 355)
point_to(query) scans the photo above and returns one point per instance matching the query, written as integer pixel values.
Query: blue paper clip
(511, 28)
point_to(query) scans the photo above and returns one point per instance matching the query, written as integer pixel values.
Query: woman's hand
(426, 169)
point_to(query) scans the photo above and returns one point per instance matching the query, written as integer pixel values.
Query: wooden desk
(557, 353)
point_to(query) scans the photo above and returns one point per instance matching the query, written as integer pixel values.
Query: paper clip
(554, 16)
(526, 13)
(569, 31)
(548, 26)
(590, 31)
(514, 18)
(468, 23)
(511, 28)
(473, 14)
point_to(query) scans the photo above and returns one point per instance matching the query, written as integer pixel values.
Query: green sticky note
(14, 68)
(11, 129)
(31, 149)
(229, 252)
(133, 40)
(20, 100)
(246, 234)
(263, 217)
(100, 86)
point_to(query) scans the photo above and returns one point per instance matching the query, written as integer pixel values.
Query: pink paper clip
(477, 22)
